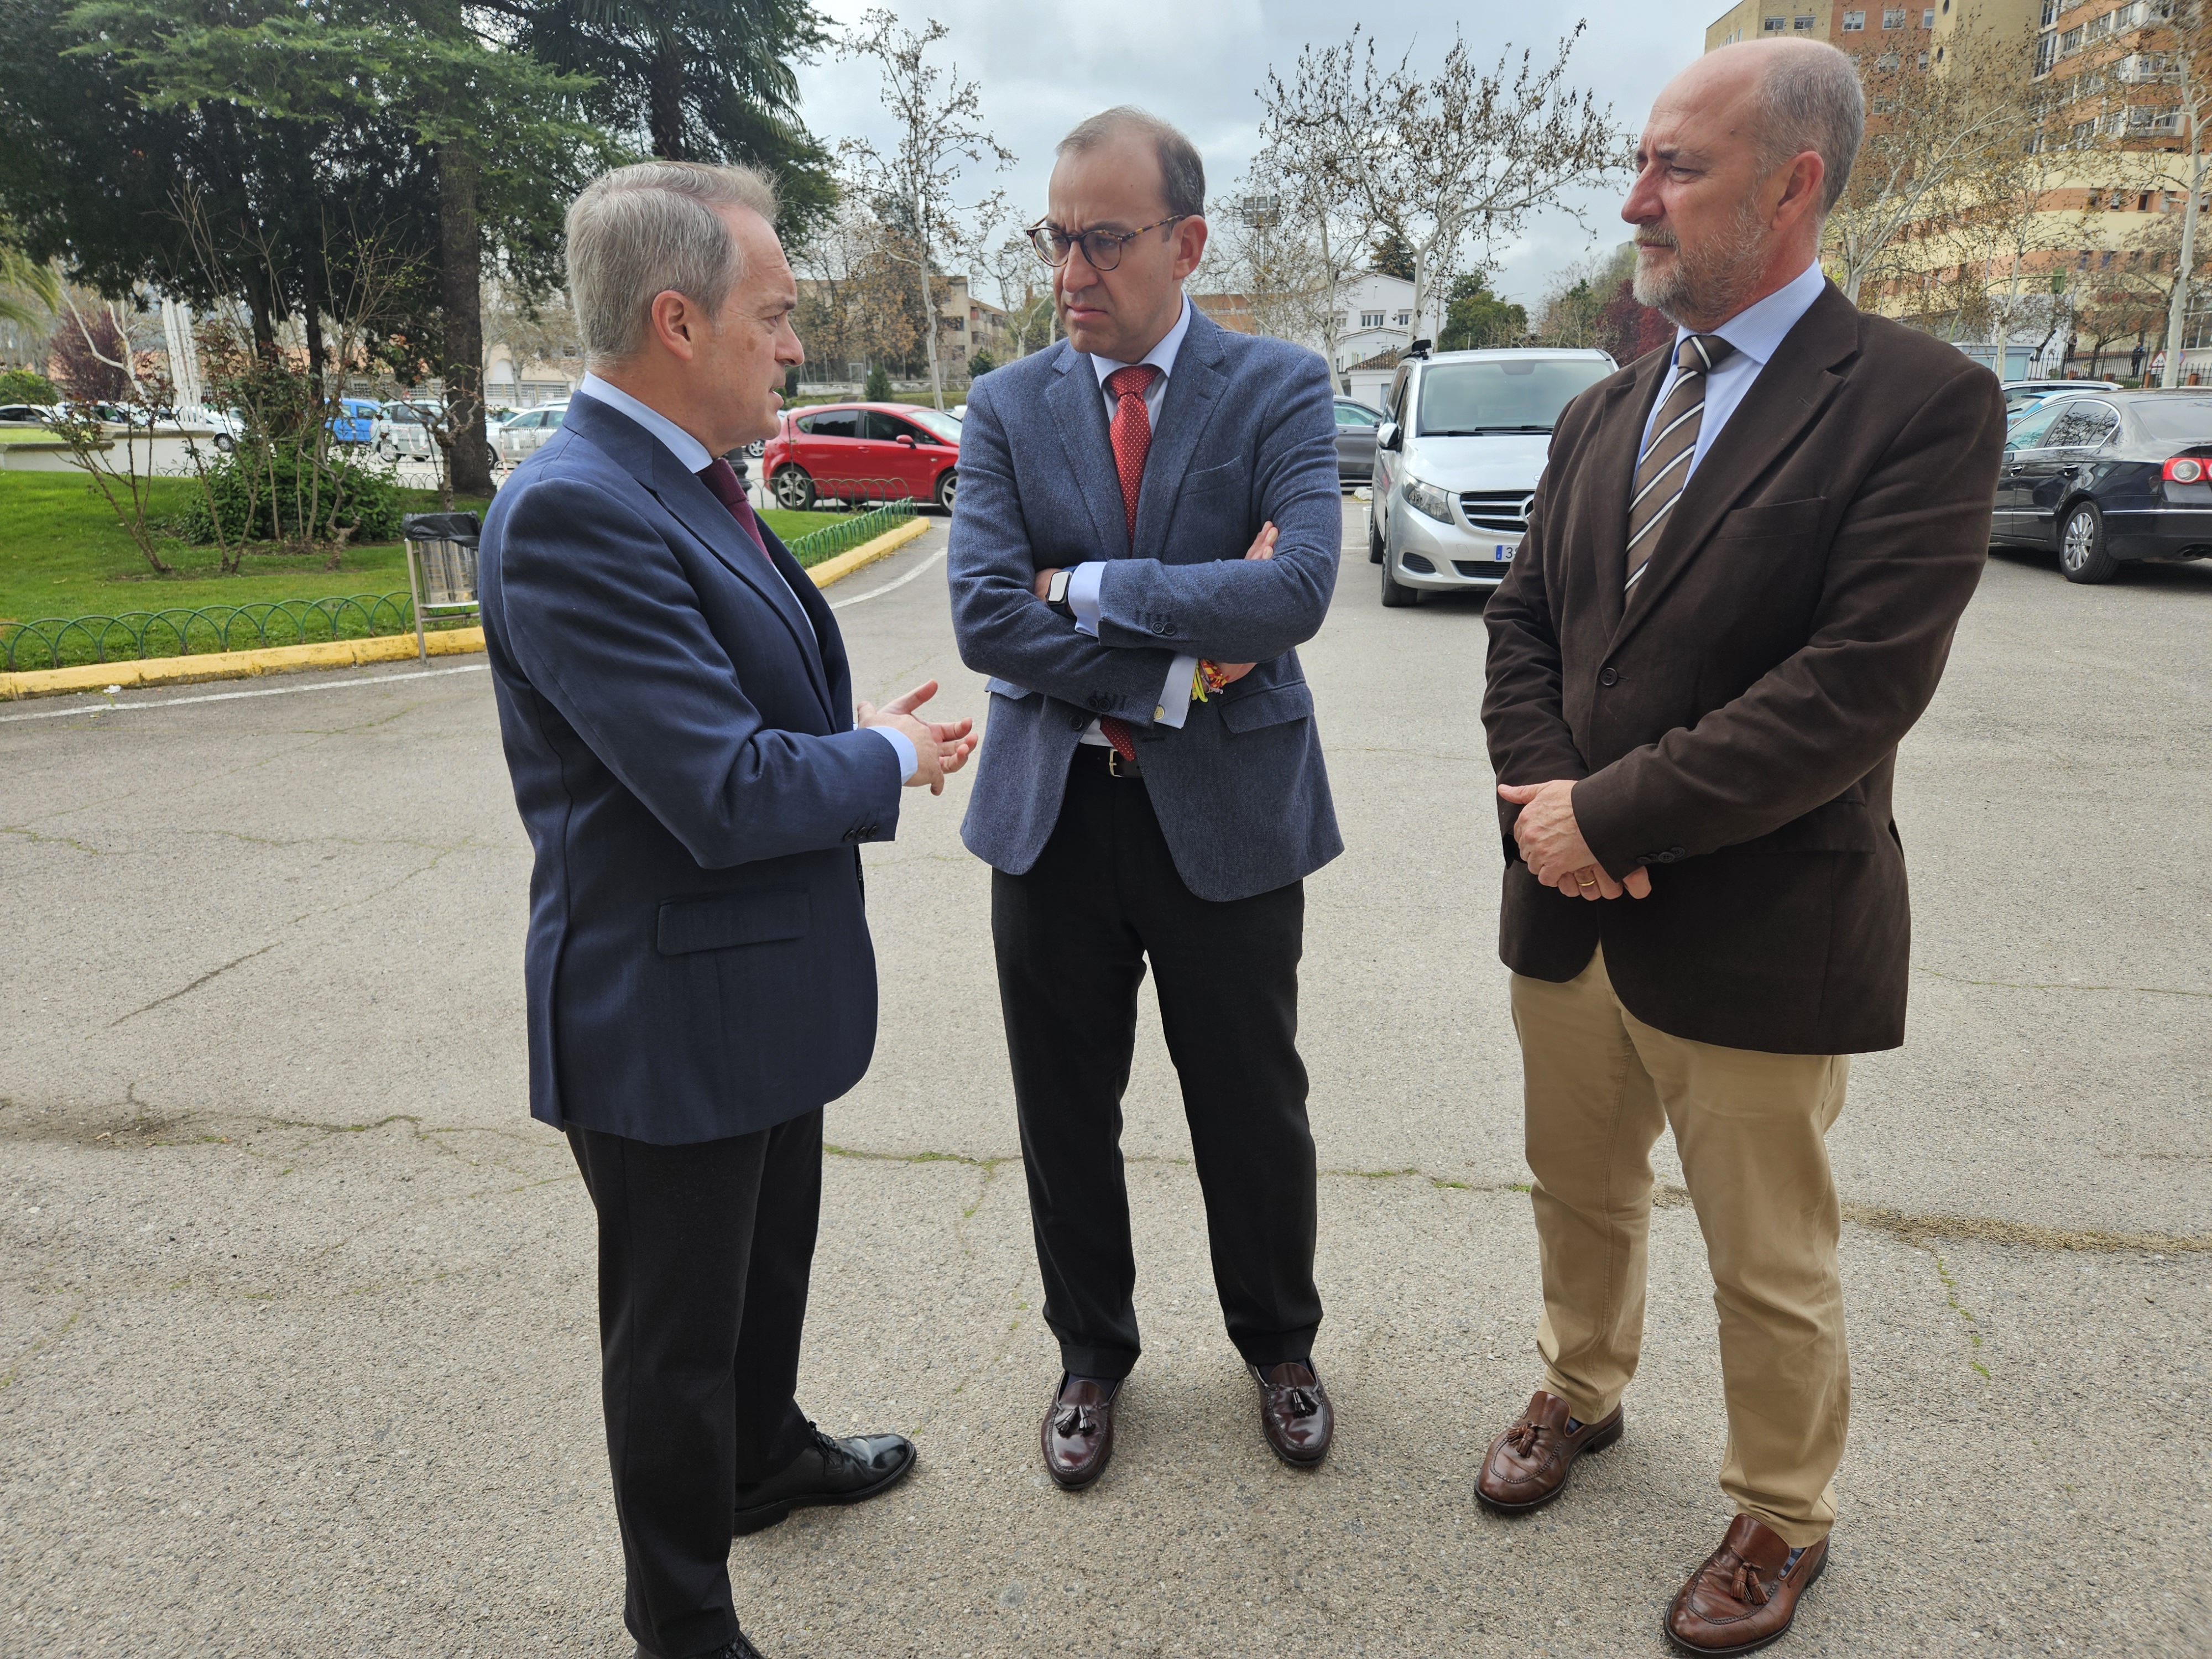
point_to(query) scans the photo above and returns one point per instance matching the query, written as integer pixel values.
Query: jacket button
(1078, 724)
(1162, 629)
(1609, 676)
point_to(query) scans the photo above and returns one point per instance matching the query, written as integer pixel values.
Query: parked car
(1355, 442)
(856, 452)
(522, 435)
(356, 421)
(29, 414)
(1457, 459)
(2023, 395)
(403, 431)
(227, 425)
(2107, 479)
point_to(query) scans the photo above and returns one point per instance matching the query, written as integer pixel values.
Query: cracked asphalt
(297, 1349)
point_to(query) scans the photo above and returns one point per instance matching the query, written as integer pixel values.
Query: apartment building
(1851, 24)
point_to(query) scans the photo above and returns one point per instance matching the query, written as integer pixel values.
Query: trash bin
(441, 566)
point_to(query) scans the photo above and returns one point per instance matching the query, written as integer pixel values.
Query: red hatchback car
(863, 452)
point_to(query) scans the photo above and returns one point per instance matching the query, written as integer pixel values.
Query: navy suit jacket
(1246, 432)
(677, 721)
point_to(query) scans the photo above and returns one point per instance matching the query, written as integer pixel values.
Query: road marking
(227, 697)
(877, 592)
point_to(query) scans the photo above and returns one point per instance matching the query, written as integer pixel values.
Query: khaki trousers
(1601, 1086)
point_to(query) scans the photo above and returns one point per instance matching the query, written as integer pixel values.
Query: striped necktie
(1664, 466)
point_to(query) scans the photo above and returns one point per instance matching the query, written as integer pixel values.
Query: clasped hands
(941, 748)
(1551, 844)
(1263, 547)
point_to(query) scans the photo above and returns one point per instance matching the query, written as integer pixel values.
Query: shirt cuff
(1083, 595)
(899, 740)
(1175, 695)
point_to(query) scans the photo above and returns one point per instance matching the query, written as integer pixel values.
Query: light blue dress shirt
(1756, 332)
(693, 457)
(1083, 582)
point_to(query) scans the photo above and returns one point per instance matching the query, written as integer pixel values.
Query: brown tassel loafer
(1077, 1435)
(1746, 1594)
(1526, 1467)
(1294, 1412)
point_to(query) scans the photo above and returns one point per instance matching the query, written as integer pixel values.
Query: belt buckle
(1114, 765)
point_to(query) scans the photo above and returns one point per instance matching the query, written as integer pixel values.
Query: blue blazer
(1246, 432)
(677, 721)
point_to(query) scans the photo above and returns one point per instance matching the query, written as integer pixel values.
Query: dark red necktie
(721, 477)
(1132, 434)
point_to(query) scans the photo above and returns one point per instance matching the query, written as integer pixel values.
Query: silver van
(1457, 460)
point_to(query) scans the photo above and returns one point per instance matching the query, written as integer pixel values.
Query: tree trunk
(460, 278)
(664, 118)
(929, 326)
(2177, 313)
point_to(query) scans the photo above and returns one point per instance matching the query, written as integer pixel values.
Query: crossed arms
(1231, 608)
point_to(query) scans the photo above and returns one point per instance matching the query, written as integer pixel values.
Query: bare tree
(1463, 155)
(1306, 221)
(1940, 140)
(2176, 106)
(990, 239)
(940, 127)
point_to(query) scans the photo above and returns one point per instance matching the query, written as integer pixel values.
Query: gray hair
(1183, 175)
(641, 231)
(1809, 98)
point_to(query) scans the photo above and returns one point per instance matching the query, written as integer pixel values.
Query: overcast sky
(1044, 64)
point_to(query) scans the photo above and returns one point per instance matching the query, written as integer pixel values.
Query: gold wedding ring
(1579, 882)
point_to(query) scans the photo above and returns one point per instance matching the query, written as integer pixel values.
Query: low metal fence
(66, 641)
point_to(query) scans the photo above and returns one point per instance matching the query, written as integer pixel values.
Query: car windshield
(1502, 394)
(2183, 419)
(945, 426)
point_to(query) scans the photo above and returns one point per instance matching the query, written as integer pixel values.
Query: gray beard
(1710, 283)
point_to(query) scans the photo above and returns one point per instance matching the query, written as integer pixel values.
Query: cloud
(1045, 65)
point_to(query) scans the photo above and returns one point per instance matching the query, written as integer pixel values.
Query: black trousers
(704, 1255)
(1073, 936)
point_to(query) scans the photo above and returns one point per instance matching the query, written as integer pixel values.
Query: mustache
(1652, 236)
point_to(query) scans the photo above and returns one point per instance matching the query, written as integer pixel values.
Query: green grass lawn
(62, 554)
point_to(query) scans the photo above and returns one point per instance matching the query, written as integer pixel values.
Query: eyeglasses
(1102, 249)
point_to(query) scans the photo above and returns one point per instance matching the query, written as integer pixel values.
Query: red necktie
(1132, 435)
(721, 477)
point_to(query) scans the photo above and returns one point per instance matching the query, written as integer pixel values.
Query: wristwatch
(1055, 592)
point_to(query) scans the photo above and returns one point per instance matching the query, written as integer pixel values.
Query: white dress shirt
(693, 457)
(1083, 582)
(1756, 332)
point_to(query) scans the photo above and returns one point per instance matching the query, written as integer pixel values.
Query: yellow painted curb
(345, 654)
(837, 569)
(234, 665)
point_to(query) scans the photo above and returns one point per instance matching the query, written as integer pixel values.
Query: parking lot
(297, 1339)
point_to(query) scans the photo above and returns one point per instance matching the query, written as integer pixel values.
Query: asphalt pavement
(297, 1338)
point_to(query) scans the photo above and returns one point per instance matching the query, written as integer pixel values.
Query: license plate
(1501, 554)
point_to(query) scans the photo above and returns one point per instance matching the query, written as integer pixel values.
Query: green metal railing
(65, 641)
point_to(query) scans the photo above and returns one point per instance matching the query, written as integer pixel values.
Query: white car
(403, 431)
(522, 435)
(1457, 459)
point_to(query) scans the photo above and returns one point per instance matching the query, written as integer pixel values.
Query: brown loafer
(1294, 1413)
(1746, 1594)
(1077, 1434)
(1526, 1467)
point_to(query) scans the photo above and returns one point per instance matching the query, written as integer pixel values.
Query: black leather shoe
(827, 1471)
(739, 1649)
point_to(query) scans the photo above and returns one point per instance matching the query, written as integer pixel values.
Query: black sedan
(2107, 478)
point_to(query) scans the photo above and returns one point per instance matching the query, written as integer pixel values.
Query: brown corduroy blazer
(1733, 720)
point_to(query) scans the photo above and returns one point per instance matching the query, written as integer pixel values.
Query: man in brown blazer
(1735, 596)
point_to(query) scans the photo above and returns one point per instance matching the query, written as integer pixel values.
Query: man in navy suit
(673, 699)
(1150, 523)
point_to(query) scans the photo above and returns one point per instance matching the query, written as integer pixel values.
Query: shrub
(280, 490)
(20, 386)
(878, 388)
(980, 364)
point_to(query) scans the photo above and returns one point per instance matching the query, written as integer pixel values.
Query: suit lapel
(1185, 413)
(1078, 410)
(1792, 388)
(836, 668)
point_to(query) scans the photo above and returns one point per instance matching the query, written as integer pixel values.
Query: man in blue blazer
(1149, 525)
(672, 697)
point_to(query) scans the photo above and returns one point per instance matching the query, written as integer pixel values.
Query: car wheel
(1395, 593)
(757, 449)
(2082, 552)
(947, 487)
(224, 443)
(1374, 538)
(387, 451)
(794, 490)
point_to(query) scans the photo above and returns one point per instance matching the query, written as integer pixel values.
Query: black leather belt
(1107, 760)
